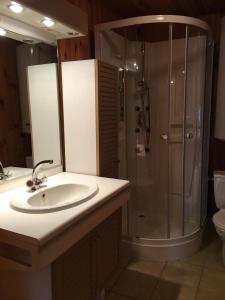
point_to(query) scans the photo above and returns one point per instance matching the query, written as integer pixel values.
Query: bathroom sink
(53, 198)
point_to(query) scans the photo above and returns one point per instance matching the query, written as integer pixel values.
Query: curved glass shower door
(162, 68)
(196, 105)
(147, 145)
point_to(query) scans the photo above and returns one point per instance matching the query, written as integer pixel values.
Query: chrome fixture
(35, 183)
(189, 135)
(164, 137)
(3, 174)
(3, 32)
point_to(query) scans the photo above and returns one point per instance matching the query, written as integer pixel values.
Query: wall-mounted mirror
(29, 108)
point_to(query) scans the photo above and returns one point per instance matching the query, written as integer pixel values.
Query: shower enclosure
(164, 87)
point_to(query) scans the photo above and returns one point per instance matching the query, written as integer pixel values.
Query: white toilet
(219, 217)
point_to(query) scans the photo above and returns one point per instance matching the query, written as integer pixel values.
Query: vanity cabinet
(83, 270)
(72, 261)
(108, 248)
(72, 273)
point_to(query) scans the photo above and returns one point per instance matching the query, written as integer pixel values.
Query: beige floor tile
(214, 257)
(210, 251)
(135, 284)
(212, 281)
(171, 291)
(111, 282)
(113, 296)
(209, 295)
(147, 267)
(197, 259)
(182, 273)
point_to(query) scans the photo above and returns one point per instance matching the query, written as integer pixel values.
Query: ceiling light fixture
(48, 22)
(3, 32)
(16, 7)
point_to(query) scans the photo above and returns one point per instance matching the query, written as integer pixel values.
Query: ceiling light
(2, 32)
(16, 7)
(48, 22)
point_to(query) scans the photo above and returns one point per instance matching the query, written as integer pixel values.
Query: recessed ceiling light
(16, 7)
(48, 22)
(3, 32)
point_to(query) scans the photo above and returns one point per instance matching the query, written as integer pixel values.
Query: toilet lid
(219, 218)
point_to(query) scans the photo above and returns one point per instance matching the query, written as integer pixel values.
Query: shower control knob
(189, 135)
(164, 137)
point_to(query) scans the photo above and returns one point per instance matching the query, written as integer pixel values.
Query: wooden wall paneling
(108, 121)
(133, 8)
(74, 49)
(83, 47)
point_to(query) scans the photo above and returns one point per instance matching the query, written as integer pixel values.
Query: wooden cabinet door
(72, 273)
(108, 248)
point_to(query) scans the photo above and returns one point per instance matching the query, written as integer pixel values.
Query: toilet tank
(219, 188)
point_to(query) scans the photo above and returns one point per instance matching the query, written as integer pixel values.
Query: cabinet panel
(82, 271)
(72, 273)
(108, 248)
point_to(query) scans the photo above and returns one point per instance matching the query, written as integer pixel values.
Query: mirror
(29, 106)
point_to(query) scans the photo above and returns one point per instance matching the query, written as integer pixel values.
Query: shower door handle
(164, 137)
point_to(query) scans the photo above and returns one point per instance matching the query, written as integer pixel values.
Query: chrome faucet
(3, 174)
(35, 183)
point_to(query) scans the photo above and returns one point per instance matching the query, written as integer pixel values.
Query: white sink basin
(49, 199)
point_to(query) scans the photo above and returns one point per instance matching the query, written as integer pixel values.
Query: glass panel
(206, 126)
(161, 72)
(176, 125)
(147, 103)
(196, 57)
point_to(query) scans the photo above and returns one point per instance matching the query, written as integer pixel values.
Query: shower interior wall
(166, 181)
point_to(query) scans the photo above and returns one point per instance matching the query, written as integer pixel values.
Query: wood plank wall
(13, 145)
(83, 48)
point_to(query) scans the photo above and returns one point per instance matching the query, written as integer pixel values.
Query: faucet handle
(44, 179)
(30, 183)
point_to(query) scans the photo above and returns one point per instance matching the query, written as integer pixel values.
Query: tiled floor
(200, 277)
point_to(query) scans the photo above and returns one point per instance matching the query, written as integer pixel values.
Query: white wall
(44, 112)
(79, 105)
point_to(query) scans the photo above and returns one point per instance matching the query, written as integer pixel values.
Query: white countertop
(14, 172)
(39, 228)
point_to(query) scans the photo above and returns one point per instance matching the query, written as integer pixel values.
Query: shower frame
(170, 248)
